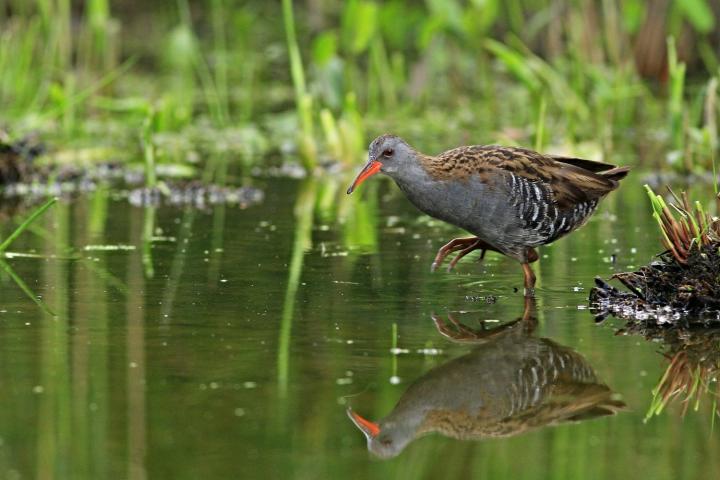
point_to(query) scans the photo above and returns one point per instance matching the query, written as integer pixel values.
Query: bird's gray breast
(484, 209)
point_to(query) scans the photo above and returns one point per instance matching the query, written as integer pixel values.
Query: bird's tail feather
(617, 173)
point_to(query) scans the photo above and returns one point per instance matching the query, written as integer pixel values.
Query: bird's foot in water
(529, 280)
(457, 332)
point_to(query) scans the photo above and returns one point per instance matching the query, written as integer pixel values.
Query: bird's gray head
(388, 154)
(384, 439)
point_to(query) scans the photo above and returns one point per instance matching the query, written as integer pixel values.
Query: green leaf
(482, 17)
(448, 12)
(359, 24)
(515, 63)
(182, 48)
(633, 13)
(698, 13)
(324, 47)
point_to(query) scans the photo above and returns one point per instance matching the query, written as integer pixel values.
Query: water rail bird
(512, 199)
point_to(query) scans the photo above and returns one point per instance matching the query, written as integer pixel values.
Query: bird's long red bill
(370, 169)
(370, 429)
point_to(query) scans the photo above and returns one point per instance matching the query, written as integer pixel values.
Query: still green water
(229, 343)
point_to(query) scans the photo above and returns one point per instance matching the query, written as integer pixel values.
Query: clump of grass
(690, 227)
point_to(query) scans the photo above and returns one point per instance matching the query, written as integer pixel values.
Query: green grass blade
(540, 125)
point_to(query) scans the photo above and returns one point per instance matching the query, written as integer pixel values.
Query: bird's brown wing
(590, 165)
(571, 181)
(572, 402)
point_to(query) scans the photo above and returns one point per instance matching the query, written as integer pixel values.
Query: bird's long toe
(452, 246)
(464, 252)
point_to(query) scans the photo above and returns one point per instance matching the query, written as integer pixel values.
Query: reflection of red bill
(370, 169)
(370, 429)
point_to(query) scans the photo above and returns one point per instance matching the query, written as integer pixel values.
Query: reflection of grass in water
(684, 380)
(147, 236)
(10, 239)
(178, 263)
(54, 421)
(24, 225)
(308, 201)
(358, 214)
(97, 219)
(304, 207)
(23, 286)
(694, 364)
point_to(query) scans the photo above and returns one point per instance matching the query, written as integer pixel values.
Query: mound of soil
(665, 291)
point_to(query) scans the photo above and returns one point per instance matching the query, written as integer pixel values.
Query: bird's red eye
(387, 152)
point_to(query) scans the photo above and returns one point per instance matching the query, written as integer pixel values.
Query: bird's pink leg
(457, 332)
(465, 246)
(531, 256)
(529, 280)
(452, 246)
(464, 252)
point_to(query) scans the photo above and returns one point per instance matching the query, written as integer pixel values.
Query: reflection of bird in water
(510, 383)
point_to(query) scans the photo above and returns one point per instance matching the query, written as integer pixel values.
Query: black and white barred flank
(533, 203)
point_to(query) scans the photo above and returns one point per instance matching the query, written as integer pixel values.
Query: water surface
(229, 343)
